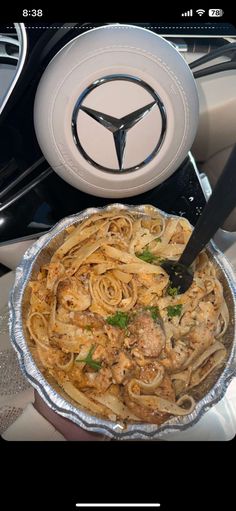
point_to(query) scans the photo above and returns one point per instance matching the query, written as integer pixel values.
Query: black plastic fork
(217, 209)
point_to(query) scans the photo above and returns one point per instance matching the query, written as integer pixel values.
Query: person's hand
(66, 427)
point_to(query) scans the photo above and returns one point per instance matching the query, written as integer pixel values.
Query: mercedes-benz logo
(119, 127)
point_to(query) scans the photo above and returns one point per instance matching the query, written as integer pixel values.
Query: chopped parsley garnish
(158, 240)
(173, 291)
(149, 257)
(174, 310)
(89, 360)
(154, 311)
(120, 319)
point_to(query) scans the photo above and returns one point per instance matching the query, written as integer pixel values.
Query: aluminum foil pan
(206, 394)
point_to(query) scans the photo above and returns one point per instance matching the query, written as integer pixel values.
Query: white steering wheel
(116, 111)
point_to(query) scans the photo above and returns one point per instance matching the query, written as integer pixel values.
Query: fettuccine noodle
(109, 327)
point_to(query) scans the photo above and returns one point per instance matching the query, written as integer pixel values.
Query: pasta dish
(108, 326)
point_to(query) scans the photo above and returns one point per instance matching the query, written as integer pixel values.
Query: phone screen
(125, 109)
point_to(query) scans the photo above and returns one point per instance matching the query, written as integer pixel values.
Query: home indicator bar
(149, 505)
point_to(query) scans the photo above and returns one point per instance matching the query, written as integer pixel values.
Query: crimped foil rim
(54, 400)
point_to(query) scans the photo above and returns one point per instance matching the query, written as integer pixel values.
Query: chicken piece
(88, 378)
(88, 319)
(71, 344)
(121, 368)
(115, 339)
(73, 295)
(78, 375)
(129, 341)
(149, 334)
(100, 353)
(184, 350)
(101, 380)
(112, 332)
(64, 315)
(200, 338)
(176, 356)
(140, 360)
(106, 353)
(187, 321)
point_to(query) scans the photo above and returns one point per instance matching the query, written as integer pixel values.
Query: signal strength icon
(187, 13)
(200, 12)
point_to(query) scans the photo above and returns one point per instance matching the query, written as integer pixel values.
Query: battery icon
(217, 13)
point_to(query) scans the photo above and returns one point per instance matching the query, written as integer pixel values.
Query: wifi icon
(200, 12)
